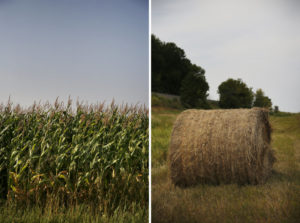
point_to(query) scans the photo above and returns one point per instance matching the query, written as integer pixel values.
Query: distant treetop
(261, 100)
(235, 94)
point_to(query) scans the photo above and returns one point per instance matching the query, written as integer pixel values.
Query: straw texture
(221, 146)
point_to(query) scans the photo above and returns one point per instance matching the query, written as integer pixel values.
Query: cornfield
(65, 156)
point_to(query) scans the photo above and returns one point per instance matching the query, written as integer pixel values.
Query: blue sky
(255, 40)
(94, 50)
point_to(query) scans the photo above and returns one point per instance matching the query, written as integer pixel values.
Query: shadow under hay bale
(221, 146)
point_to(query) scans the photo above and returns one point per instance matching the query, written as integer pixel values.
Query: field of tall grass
(276, 201)
(55, 159)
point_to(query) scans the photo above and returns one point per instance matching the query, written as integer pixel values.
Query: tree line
(173, 73)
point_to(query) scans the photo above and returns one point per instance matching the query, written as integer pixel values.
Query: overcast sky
(255, 40)
(94, 50)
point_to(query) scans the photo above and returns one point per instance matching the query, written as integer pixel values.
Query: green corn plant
(93, 154)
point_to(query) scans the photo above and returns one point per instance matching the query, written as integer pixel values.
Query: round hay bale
(221, 146)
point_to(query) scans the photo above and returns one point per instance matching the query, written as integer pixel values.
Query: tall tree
(169, 66)
(235, 94)
(158, 64)
(193, 92)
(261, 100)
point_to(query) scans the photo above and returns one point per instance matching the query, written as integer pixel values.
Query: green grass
(55, 157)
(82, 214)
(276, 201)
(161, 127)
(77, 214)
(163, 101)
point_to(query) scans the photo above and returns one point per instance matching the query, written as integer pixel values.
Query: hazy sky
(94, 50)
(255, 40)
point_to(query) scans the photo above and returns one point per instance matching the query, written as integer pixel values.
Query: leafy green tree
(261, 100)
(169, 66)
(235, 94)
(193, 92)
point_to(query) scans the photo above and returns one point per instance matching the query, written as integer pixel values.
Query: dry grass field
(276, 201)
